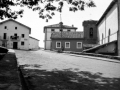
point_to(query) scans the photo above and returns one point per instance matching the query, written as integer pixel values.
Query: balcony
(4, 39)
(14, 38)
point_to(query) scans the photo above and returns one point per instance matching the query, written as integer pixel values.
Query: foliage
(46, 8)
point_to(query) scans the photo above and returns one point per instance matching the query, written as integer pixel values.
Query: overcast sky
(32, 19)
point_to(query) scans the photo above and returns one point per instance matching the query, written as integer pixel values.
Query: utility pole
(61, 29)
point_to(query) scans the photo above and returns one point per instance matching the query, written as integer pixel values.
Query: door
(15, 45)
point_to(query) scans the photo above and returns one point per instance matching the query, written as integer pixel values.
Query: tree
(46, 8)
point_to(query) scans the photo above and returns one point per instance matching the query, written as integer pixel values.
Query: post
(62, 47)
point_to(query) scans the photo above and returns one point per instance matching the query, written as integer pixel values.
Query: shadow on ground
(68, 80)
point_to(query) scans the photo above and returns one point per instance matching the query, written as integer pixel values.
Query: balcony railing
(14, 38)
(4, 39)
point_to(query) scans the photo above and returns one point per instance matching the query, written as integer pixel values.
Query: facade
(90, 34)
(109, 25)
(48, 30)
(14, 35)
(33, 43)
(69, 41)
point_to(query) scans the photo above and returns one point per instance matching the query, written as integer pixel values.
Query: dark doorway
(15, 44)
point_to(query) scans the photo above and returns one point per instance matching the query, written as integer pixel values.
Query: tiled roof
(67, 35)
(59, 25)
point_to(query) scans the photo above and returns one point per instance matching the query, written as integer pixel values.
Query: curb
(115, 59)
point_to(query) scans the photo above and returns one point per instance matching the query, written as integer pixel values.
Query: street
(46, 70)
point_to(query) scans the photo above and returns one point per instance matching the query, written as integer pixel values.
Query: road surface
(46, 70)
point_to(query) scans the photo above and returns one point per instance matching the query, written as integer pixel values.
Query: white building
(33, 43)
(55, 28)
(14, 35)
(109, 25)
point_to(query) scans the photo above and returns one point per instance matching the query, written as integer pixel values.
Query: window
(68, 30)
(109, 35)
(67, 44)
(5, 36)
(5, 27)
(91, 32)
(52, 30)
(79, 44)
(23, 35)
(15, 27)
(102, 38)
(58, 44)
(61, 30)
(15, 34)
(22, 43)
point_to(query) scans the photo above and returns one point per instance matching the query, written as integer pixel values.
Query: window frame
(91, 32)
(5, 27)
(68, 30)
(79, 47)
(15, 28)
(22, 35)
(23, 43)
(52, 30)
(66, 43)
(56, 44)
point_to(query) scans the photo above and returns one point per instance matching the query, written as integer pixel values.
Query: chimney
(72, 25)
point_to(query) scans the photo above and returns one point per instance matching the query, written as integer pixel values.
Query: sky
(32, 20)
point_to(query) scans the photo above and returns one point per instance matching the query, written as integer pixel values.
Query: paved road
(91, 72)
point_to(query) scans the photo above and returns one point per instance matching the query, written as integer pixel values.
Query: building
(33, 43)
(90, 34)
(48, 30)
(15, 35)
(108, 29)
(73, 40)
(69, 41)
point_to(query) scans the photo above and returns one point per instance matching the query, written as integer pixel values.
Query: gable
(11, 20)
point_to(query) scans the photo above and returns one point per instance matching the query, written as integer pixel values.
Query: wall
(11, 31)
(33, 44)
(73, 45)
(87, 25)
(110, 21)
(108, 49)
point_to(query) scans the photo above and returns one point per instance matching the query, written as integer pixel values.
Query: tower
(90, 32)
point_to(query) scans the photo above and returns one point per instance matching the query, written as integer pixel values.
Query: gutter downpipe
(118, 33)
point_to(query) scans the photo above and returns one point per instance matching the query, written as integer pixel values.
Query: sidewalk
(9, 76)
(108, 58)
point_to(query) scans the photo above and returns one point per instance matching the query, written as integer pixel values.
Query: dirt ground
(9, 79)
(68, 80)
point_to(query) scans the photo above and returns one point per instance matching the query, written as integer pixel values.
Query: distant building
(90, 34)
(69, 41)
(48, 30)
(14, 35)
(72, 40)
(33, 43)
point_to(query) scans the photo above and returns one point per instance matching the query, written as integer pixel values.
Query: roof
(34, 38)
(59, 25)
(17, 23)
(70, 35)
(107, 10)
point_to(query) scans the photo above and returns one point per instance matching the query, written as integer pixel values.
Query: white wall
(11, 31)
(33, 44)
(109, 22)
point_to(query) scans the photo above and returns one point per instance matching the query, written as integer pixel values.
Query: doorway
(15, 45)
